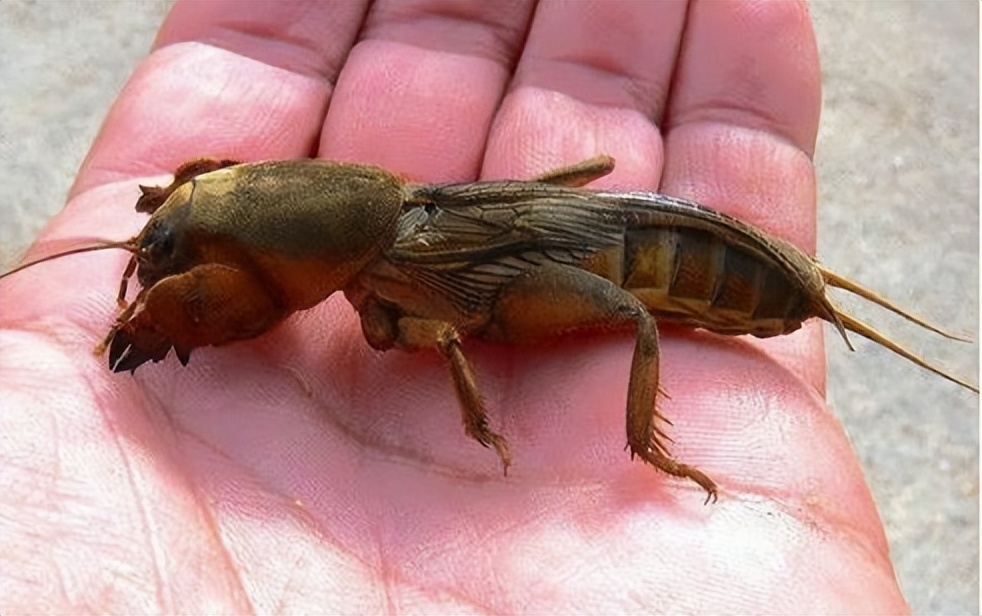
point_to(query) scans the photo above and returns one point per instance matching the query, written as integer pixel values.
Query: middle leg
(417, 333)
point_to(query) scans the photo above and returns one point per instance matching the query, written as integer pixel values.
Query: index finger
(225, 83)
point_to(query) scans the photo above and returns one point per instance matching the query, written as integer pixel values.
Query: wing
(465, 241)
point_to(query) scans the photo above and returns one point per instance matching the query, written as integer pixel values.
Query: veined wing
(466, 241)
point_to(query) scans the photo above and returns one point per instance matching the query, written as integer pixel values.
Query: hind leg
(580, 174)
(558, 298)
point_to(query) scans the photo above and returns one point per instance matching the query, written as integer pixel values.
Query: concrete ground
(898, 172)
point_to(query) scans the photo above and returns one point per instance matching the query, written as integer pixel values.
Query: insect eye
(165, 244)
(158, 245)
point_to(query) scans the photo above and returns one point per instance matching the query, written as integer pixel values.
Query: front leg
(154, 196)
(210, 304)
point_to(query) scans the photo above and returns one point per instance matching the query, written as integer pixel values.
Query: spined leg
(415, 333)
(210, 304)
(644, 438)
(558, 298)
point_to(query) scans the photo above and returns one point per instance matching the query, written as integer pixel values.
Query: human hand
(302, 471)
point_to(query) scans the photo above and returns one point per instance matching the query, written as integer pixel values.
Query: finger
(740, 131)
(744, 114)
(419, 90)
(739, 136)
(304, 37)
(227, 83)
(593, 79)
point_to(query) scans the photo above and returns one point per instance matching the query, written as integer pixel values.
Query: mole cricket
(232, 249)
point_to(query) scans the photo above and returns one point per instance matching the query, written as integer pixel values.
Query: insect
(230, 250)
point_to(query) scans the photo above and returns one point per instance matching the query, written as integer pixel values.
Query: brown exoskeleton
(231, 250)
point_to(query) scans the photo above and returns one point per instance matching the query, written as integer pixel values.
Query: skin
(304, 472)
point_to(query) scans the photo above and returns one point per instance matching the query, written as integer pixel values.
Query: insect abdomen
(695, 276)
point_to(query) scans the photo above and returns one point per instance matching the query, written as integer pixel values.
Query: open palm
(304, 472)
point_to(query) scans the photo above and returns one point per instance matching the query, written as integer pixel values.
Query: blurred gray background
(898, 174)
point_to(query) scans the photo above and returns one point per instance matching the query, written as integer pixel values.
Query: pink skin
(304, 472)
